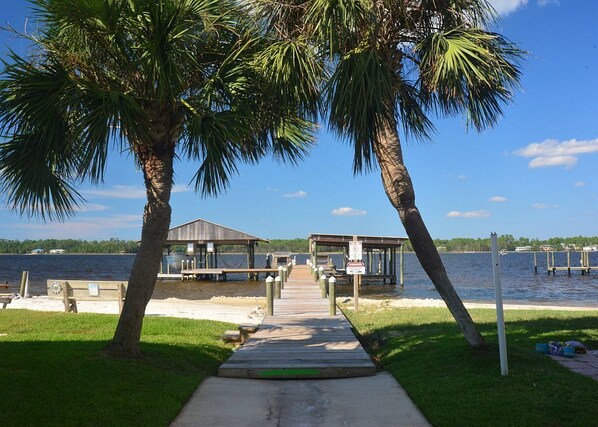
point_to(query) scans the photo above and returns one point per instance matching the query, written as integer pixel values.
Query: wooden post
(24, 290)
(536, 262)
(248, 253)
(402, 270)
(285, 272)
(553, 265)
(277, 287)
(355, 287)
(332, 295)
(270, 295)
(121, 297)
(569, 263)
(323, 286)
(548, 262)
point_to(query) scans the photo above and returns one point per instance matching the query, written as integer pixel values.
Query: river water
(470, 273)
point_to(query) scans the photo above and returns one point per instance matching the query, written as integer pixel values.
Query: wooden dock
(301, 339)
(218, 273)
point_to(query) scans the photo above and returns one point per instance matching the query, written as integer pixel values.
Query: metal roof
(202, 231)
(342, 240)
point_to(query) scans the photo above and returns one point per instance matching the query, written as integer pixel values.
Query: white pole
(500, 318)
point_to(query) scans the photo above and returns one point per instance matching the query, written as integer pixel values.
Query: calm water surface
(471, 275)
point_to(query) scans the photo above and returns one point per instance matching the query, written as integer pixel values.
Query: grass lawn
(52, 372)
(455, 386)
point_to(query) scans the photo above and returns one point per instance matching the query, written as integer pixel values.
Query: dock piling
(332, 295)
(24, 290)
(323, 286)
(277, 287)
(270, 295)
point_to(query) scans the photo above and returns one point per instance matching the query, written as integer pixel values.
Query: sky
(533, 175)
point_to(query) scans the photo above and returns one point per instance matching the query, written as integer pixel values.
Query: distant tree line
(509, 243)
(69, 245)
(458, 244)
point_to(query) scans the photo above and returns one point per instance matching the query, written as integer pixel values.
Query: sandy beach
(245, 309)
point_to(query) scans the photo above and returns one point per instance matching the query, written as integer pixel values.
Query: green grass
(456, 386)
(52, 372)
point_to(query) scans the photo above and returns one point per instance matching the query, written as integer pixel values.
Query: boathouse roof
(342, 240)
(202, 231)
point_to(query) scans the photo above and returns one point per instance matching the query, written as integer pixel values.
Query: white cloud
(580, 184)
(542, 162)
(552, 153)
(544, 206)
(471, 214)
(504, 7)
(543, 3)
(345, 211)
(91, 207)
(127, 192)
(459, 177)
(271, 189)
(296, 195)
(498, 199)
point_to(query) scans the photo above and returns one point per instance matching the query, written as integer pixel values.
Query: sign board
(355, 250)
(93, 289)
(190, 248)
(355, 268)
(210, 247)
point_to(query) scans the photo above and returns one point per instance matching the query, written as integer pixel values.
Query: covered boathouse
(197, 245)
(379, 256)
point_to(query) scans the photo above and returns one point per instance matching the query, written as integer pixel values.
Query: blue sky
(533, 175)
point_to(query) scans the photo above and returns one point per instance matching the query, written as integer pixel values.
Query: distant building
(547, 248)
(593, 248)
(523, 248)
(57, 251)
(38, 251)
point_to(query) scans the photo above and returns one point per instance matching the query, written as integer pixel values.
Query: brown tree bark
(400, 192)
(157, 166)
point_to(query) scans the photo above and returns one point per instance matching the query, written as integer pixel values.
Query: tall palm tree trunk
(399, 189)
(158, 176)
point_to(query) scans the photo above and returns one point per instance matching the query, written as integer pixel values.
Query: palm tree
(160, 79)
(394, 62)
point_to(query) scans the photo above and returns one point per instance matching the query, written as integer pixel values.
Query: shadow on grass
(454, 385)
(70, 383)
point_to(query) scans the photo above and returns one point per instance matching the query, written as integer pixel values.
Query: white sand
(234, 310)
(243, 309)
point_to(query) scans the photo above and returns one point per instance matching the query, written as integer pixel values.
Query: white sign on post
(355, 268)
(355, 250)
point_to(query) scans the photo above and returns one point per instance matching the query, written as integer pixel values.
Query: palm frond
(360, 95)
(469, 70)
(294, 72)
(36, 182)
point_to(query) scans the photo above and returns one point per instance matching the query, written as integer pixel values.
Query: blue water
(471, 275)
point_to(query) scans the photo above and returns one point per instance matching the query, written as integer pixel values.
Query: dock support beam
(401, 267)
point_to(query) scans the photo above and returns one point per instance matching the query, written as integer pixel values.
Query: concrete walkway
(365, 401)
(584, 364)
(297, 340)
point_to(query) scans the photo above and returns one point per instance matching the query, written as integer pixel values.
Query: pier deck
(190, 273)
(301, 339)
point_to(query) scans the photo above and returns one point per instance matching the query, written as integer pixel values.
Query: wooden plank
(300, 340)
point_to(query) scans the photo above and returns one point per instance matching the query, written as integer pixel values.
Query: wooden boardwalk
(301, 339)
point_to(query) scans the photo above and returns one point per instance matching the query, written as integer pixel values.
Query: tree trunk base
(116, 350)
